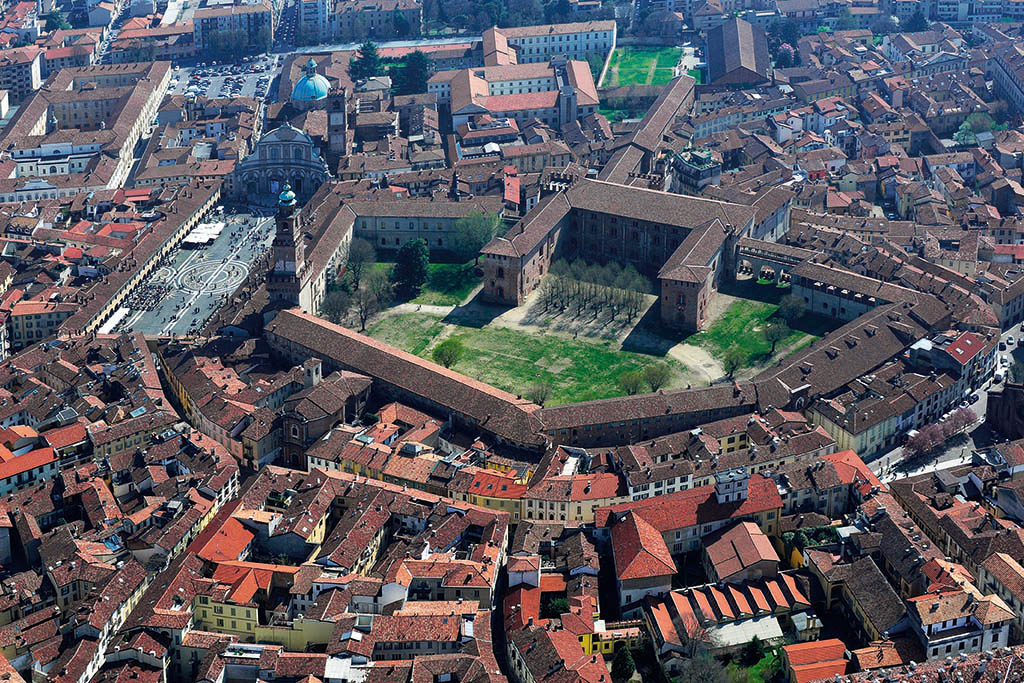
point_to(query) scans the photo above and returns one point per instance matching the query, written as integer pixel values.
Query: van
(998, 377)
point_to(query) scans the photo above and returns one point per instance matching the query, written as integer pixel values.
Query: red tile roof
(639, 550)
(685, 509)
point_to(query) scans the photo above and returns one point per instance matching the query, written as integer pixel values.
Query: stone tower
(284, 279)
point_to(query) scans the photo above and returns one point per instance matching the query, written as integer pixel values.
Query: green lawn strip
(743, 326)
(758, 673)
(662, 76)
(512, 359)
(697, 74)
(412, 333)
(669, 57)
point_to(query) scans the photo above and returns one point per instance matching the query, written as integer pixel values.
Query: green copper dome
(287, 197)
(312, 86)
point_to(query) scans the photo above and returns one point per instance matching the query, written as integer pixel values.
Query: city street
(895, 464)
(185, 292)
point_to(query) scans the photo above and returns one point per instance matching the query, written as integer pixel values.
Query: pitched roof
(639, 550)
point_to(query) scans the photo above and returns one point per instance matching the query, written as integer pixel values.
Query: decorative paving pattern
(212, 277)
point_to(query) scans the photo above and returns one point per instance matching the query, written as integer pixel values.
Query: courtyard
(642, 66)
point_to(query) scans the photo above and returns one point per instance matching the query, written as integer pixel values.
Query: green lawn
(448, 284)
(642, 65)
(743, 325)
(513, 359)
(761, 672)
(698, 74)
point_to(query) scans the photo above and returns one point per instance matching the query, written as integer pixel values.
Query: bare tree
(336, 306)
(539, 392)
(361, 255)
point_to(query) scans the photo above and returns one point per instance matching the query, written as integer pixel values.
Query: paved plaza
(186, 291)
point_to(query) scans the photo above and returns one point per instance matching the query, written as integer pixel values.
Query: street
(895, 464)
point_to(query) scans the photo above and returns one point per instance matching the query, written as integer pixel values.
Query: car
(964, 404)
(1004, 361)
(1010, 340)
(973, 398)
(1002, 346)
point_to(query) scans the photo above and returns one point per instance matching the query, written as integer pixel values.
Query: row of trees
(580, 286)
(931, 436)
(228, 45)
(479, 15)
(365, 290)
(408, 77)
(653, 376)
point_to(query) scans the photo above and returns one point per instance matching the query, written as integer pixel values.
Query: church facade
(283, 155)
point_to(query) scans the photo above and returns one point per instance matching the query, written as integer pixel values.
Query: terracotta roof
(639, 550)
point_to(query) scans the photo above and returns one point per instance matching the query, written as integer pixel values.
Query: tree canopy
(473, 232)
(448, 353)
(410, 78)
(411, 267)
(367, 62)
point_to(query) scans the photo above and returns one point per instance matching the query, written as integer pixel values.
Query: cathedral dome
(312, 86)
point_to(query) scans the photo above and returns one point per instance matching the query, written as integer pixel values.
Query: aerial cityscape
(512, 341)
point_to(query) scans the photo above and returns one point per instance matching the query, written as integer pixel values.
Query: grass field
(642, 66)
(742, 325)
(448, 284)
(761, 672)
(697, 74)
(512, 359)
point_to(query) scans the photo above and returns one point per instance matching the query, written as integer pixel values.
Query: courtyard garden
(642, 66)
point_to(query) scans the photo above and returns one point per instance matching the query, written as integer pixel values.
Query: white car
(1004, 361)
(1009, 340)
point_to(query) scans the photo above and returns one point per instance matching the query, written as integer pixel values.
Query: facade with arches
(283, 155)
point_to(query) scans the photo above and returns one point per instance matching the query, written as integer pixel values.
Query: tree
(884, 26)
(785, 56)
(753, 651)
(623, 666)
(657, 375)
(539, 393)
(792, 308)
(916, 23)
(702, 669)
(448, 353)
(554, 608)
(961, 419)
(775, 332)
(56, 21)
(367, 62)
(411, 77)
(964, 135)
(473, 232)
(630, 382)
(1017, 372)
(361, 255)
(401, 24)
(926, 439)
(336, 306)
(411, 267)
(732, 361)
(373, 296)
(846, 21)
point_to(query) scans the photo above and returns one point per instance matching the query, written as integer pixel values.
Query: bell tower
(287, 252)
